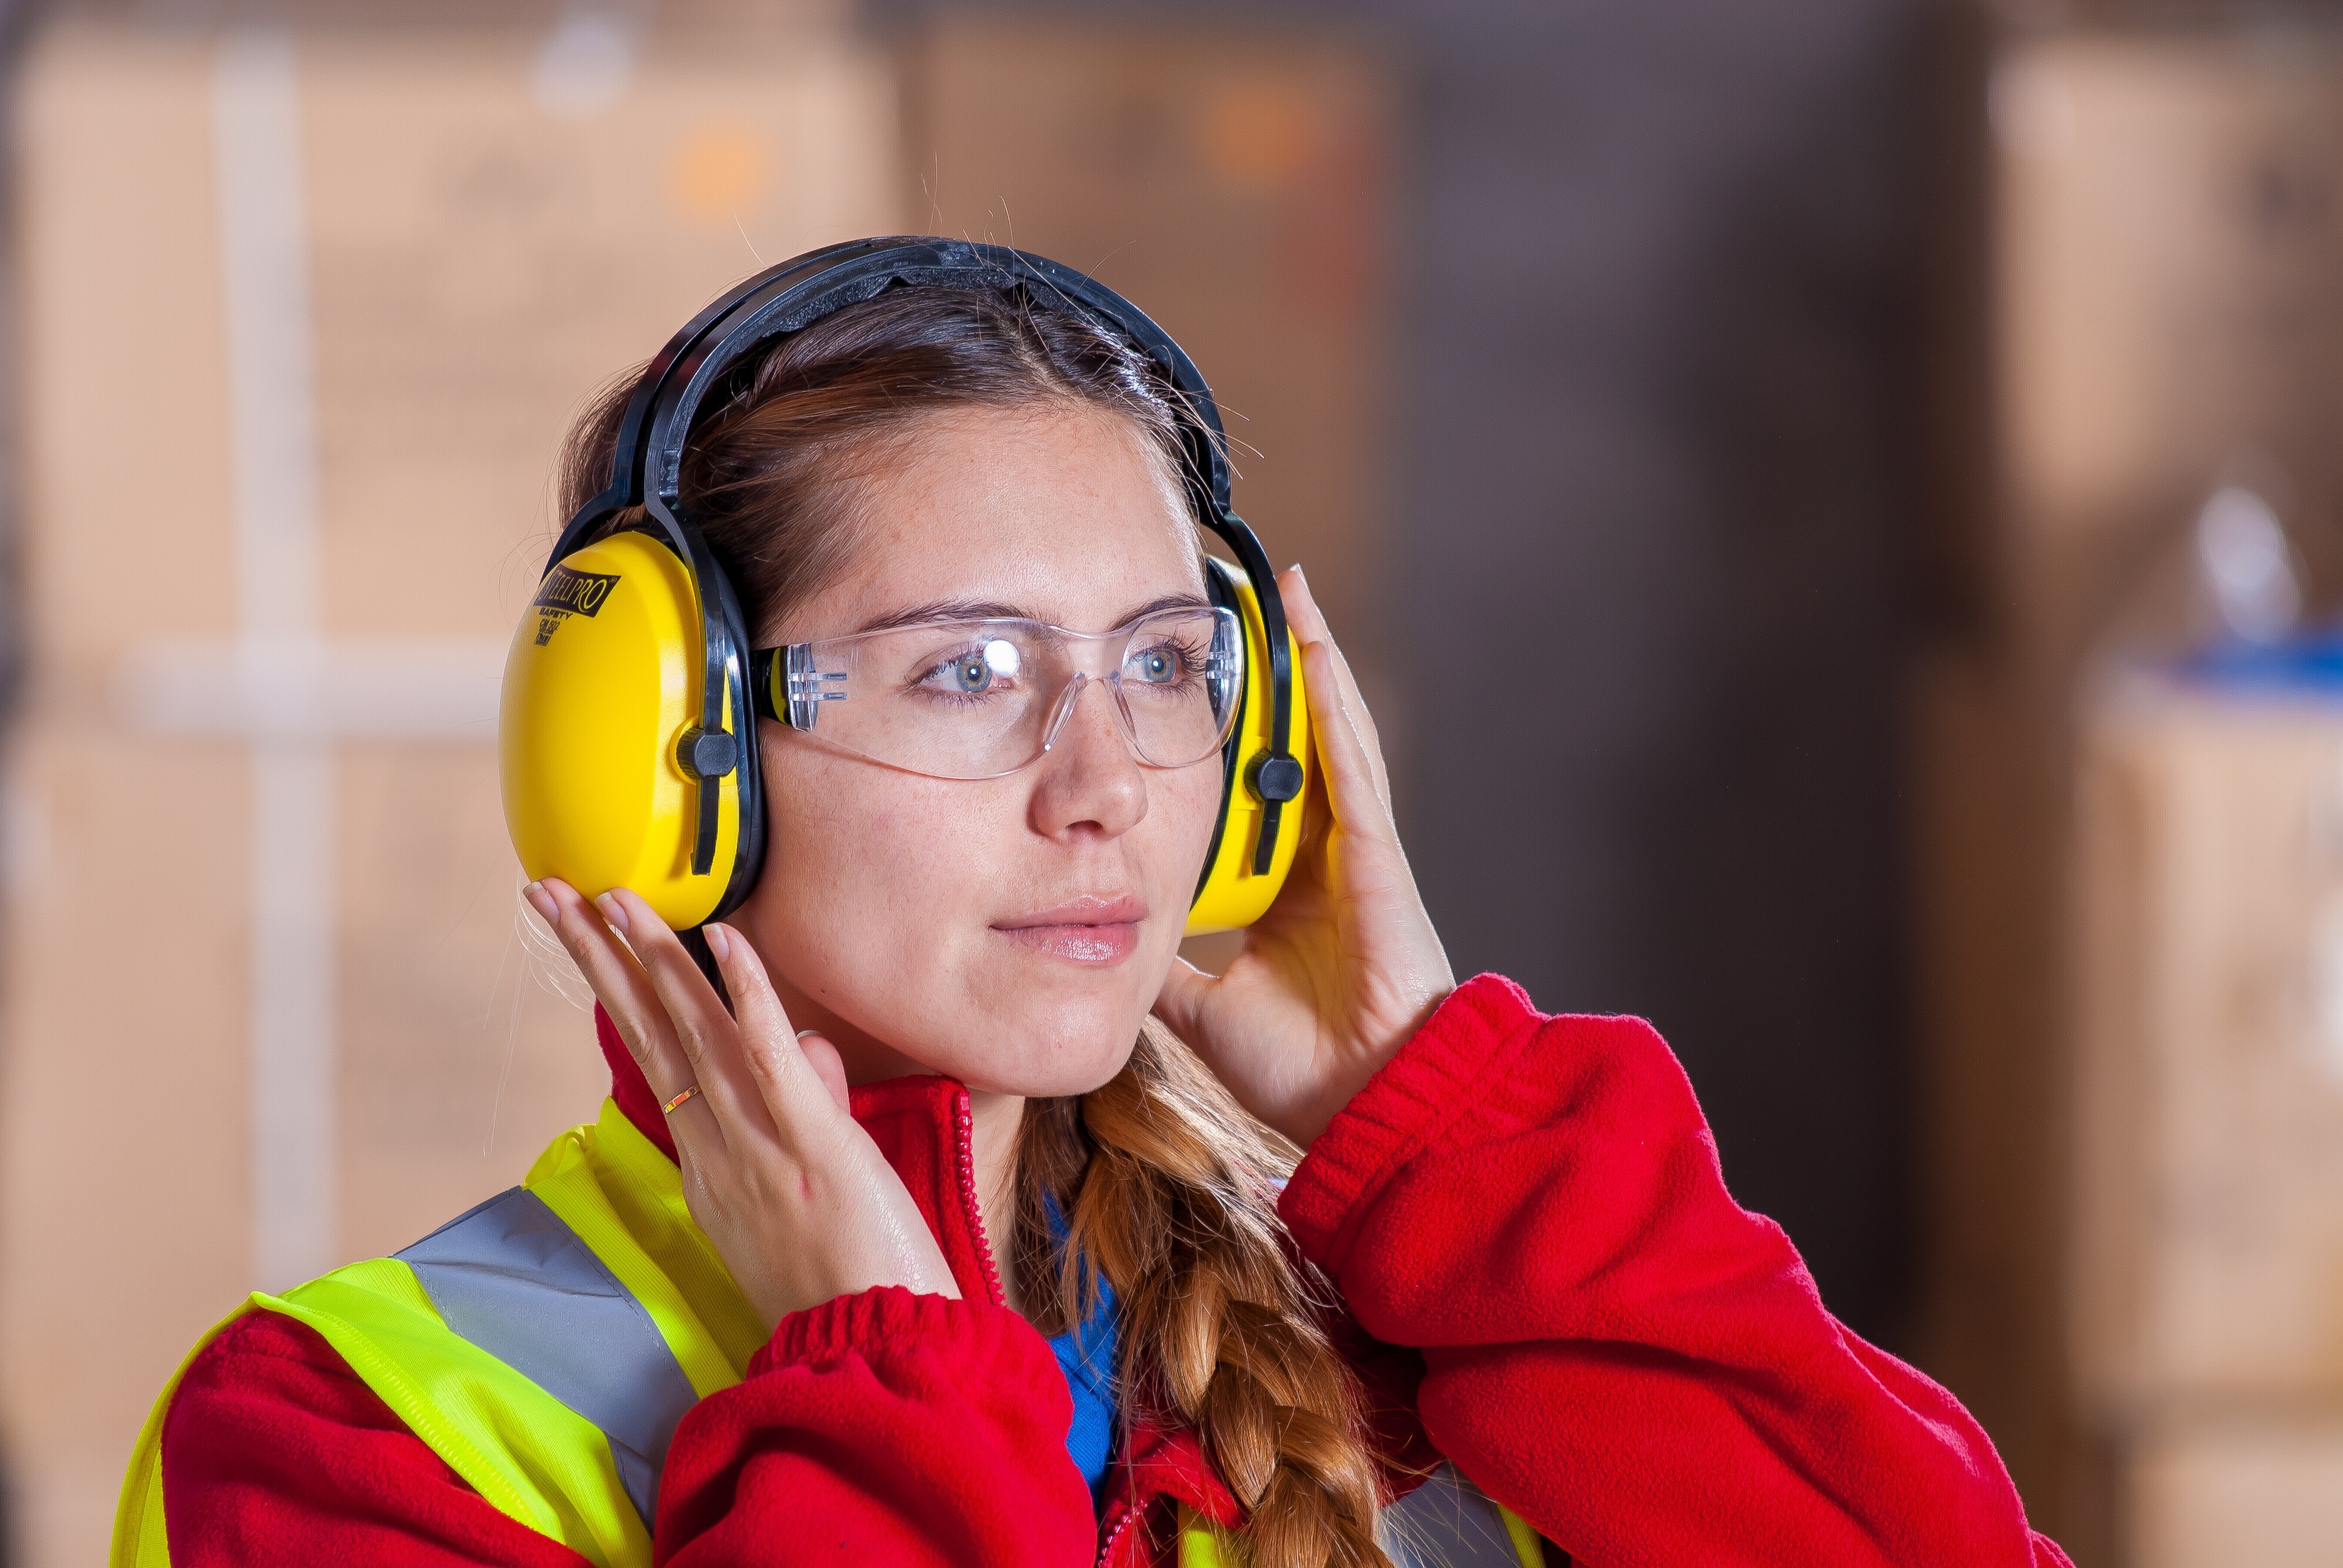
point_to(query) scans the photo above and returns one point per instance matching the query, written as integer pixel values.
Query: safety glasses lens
(977, 699)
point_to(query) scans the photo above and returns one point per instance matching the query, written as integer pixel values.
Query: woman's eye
(980, 670)
(1157, 666)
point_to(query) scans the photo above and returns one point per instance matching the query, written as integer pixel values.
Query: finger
(703, 1029)
(1352, 789)
(828, 1066)
(1180, 1002)
(1310, 625)
(620, 984)
(791, 1091)
(1302, 612)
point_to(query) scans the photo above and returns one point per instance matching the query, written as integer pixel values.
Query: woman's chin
(1046, 1052)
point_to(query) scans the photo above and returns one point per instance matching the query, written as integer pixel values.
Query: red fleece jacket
(1549, 1282)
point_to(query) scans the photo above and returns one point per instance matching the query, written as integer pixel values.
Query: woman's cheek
(890, 879)
(810, 907)
(911, 877)
(1196, 805)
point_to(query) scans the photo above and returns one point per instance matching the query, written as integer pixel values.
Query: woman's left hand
(1345, 967)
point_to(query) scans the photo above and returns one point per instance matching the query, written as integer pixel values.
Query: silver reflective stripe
(1446, 1522)
(515, 1281)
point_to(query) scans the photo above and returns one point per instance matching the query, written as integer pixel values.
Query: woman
(1011, 1238)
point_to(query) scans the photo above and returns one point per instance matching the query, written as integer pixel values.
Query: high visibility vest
(546, 1343)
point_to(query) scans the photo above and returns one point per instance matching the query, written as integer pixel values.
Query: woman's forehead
(1065, 514)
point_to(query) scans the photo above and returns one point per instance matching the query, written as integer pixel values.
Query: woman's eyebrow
(957, 609)
(944, 609)
(1168, 601)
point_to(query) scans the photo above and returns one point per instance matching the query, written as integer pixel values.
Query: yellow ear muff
(602, 681)
(1232, 895)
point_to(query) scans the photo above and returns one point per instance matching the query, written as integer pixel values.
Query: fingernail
(806, 1034)
(611, 912)
(718, 942)
(542, 902)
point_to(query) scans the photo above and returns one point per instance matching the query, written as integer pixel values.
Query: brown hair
(1168, 1187)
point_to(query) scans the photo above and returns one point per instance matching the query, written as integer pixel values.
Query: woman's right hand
(798, 1200)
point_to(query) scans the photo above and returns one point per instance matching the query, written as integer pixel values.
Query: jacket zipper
(1122, 1523)
(968, 1198)
(975, 1212)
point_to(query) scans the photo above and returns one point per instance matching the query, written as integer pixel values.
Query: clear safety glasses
(981, 698)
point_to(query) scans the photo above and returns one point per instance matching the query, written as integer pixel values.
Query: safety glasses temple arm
(788, 690)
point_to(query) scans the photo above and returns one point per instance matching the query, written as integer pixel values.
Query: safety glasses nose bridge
(1093, 659)
(1063, 710)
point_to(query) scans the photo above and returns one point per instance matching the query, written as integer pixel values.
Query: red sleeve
(274, 1451)
(884, 1427)
(1613, 1348)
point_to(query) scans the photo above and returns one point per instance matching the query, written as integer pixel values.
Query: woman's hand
(1345, 966)
(800, 1204)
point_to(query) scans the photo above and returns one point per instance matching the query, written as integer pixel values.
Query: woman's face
(1009, 932)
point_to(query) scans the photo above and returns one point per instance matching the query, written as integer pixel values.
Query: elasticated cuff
(1453, 1062)
(871, 1323)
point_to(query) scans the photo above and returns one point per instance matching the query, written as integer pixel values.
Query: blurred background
(1837, 504)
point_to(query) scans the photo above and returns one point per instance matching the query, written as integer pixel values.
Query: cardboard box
(2207, 1224)
(1236, 188)
(302, 317)
(2168, 311)
(2154, 304)
(2242, 1495)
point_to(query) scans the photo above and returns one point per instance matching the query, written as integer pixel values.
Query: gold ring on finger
(669, 1108)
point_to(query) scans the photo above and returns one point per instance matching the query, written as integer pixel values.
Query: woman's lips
(1085, 930)
(1082, 944)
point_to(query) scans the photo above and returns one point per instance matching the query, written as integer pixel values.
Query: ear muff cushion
(601, 681)
(1230, 895)
(745, 787)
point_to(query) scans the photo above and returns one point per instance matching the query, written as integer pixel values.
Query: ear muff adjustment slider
(708, 753)
(1276, 777)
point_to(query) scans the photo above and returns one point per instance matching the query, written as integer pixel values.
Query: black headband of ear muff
(648, 466)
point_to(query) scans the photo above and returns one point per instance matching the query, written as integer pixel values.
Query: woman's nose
(1089, 780)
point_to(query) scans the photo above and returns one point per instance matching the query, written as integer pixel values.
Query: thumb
(1180, 1002)
(828, 1066)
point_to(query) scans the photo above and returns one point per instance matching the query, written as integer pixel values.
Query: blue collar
(1086, 1353)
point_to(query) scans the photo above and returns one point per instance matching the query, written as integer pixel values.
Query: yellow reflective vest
(546, 1343)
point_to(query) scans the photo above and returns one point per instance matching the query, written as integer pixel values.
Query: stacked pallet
(2156, 306)
(304, 312)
